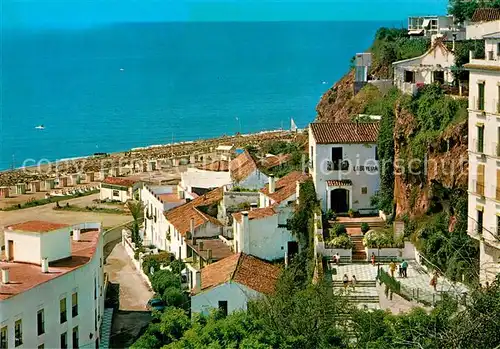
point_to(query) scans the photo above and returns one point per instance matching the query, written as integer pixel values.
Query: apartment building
(52, 287)
(484, 156)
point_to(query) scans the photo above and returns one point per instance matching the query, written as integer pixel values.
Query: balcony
(478, 105)
(339, 165)
(476, 232)
(477, 147)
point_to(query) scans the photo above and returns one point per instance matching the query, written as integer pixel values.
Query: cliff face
(446, 167)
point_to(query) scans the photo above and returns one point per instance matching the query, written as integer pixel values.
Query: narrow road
(134, 292)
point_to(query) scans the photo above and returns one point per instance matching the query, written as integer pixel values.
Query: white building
(228, 284)
(432, 25)
(344, 164)
(263, 232)
(245, 172)
(196, 218)
(434, 66)
(484, 21)
(52, 289)
(157, 200)
(117, 189)
(484, 156)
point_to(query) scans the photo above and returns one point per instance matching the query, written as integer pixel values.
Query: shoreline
(93, 163)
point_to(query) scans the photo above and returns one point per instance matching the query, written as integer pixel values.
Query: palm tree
(136, 209)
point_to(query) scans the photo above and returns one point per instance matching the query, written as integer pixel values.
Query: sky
(83, 13)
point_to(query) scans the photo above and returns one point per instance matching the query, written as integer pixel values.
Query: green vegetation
(155, 261)
(342, 241)
(32, 202)
(464, 9)
(296, 162)
(167, 285)
(302, 221)
(337, 230)
(365, 227)
(95, 209)
(137, 211)
(382, 239)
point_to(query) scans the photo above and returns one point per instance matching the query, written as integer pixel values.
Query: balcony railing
(477, 146)
(475, 103)
(339, 165)
(478, 187)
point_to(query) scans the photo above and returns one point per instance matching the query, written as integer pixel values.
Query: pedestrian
(373, 258)
(334, 259)
(433, 282)
(345, 280)
(404, 266)
(392, 267)
(337, 257)
(353, 282)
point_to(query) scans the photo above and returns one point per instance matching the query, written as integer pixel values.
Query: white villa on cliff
(344, 164)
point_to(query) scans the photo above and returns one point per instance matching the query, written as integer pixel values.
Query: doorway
(10, 246)
(439, 77)
(339, 200)
(409, 76)
(292, 249)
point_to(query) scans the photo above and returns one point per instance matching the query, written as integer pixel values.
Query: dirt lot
(46, 213)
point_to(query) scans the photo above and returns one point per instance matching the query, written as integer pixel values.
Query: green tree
(163, 279)
(175, 297)
(137, 211)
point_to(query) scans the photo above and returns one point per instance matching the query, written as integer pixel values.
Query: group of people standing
(346, 282)
(402, 268)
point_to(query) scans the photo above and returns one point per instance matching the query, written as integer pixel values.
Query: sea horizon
(118, 86)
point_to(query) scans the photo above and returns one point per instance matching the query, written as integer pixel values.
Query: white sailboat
(40, 127)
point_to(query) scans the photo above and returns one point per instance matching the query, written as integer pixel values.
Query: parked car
(156, 304)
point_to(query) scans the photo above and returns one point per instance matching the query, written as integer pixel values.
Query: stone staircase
(365, 292)
(358, 251)
(373, 222)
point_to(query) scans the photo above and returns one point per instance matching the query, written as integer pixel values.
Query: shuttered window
(480, 180)
(497, 194)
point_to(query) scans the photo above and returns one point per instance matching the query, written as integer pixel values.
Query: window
(311, 156)
(336, 158)
(75, 337)
(409, 76)
(438, 77)
(480, 138)
(223, 307)
(95, 319)
(490, 55)
(479, 221)
(376, 153)
(40, 322)
(62, 311)
(116, 193)
(480, 98)
(74, 304)
(3, 338)
(95, 288)
(497, 196)
(64, 340)
(498, 227)
(364, 190)
(18, 333)
(480, 180)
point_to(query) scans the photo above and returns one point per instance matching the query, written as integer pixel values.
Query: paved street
(134, 293)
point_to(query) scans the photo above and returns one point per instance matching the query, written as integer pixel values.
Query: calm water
(115, 87)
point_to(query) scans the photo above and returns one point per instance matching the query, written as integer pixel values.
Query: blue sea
(112, 87)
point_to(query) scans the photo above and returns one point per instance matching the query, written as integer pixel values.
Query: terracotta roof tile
(170, 197)
(275, 160)
(219, 166)
(345, 132)
(24, 277)
(285, 186)
(242, 166)
(180, 216)
(486, 15)
(339, 182)
(37, 226)
(247, 270)
(123, 182)
(219, 249)
(257, 213)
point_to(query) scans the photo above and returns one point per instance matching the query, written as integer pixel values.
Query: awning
(416, 32)
(426, 23)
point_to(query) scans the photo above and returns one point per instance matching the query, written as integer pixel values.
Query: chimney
(192, 231)
(5, 276)
(197, 286)
(253, 206)
(209, 256)
(45, 265)
(76, 234)
(245, 233)
(272, 184)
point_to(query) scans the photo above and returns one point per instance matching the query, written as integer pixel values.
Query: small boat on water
(40, 127)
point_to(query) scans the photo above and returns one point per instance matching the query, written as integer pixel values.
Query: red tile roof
(123, 182)
(170, 197)
(256, 213)
(219, 249)
(285, 186)
(37, 226)
(486, 15)
(219, 166)
(339, 182)
(180, 216)
(345, 132)
(24, 277)
(270, 162)
(244, 269)
(242, 166)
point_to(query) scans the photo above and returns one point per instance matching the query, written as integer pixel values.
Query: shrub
(365, 227)
(175, 297)
(156, 260)
(338, 230)
(381, 239)
(163, 279)
(342, 241)
(177, 266)
(330, 215)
